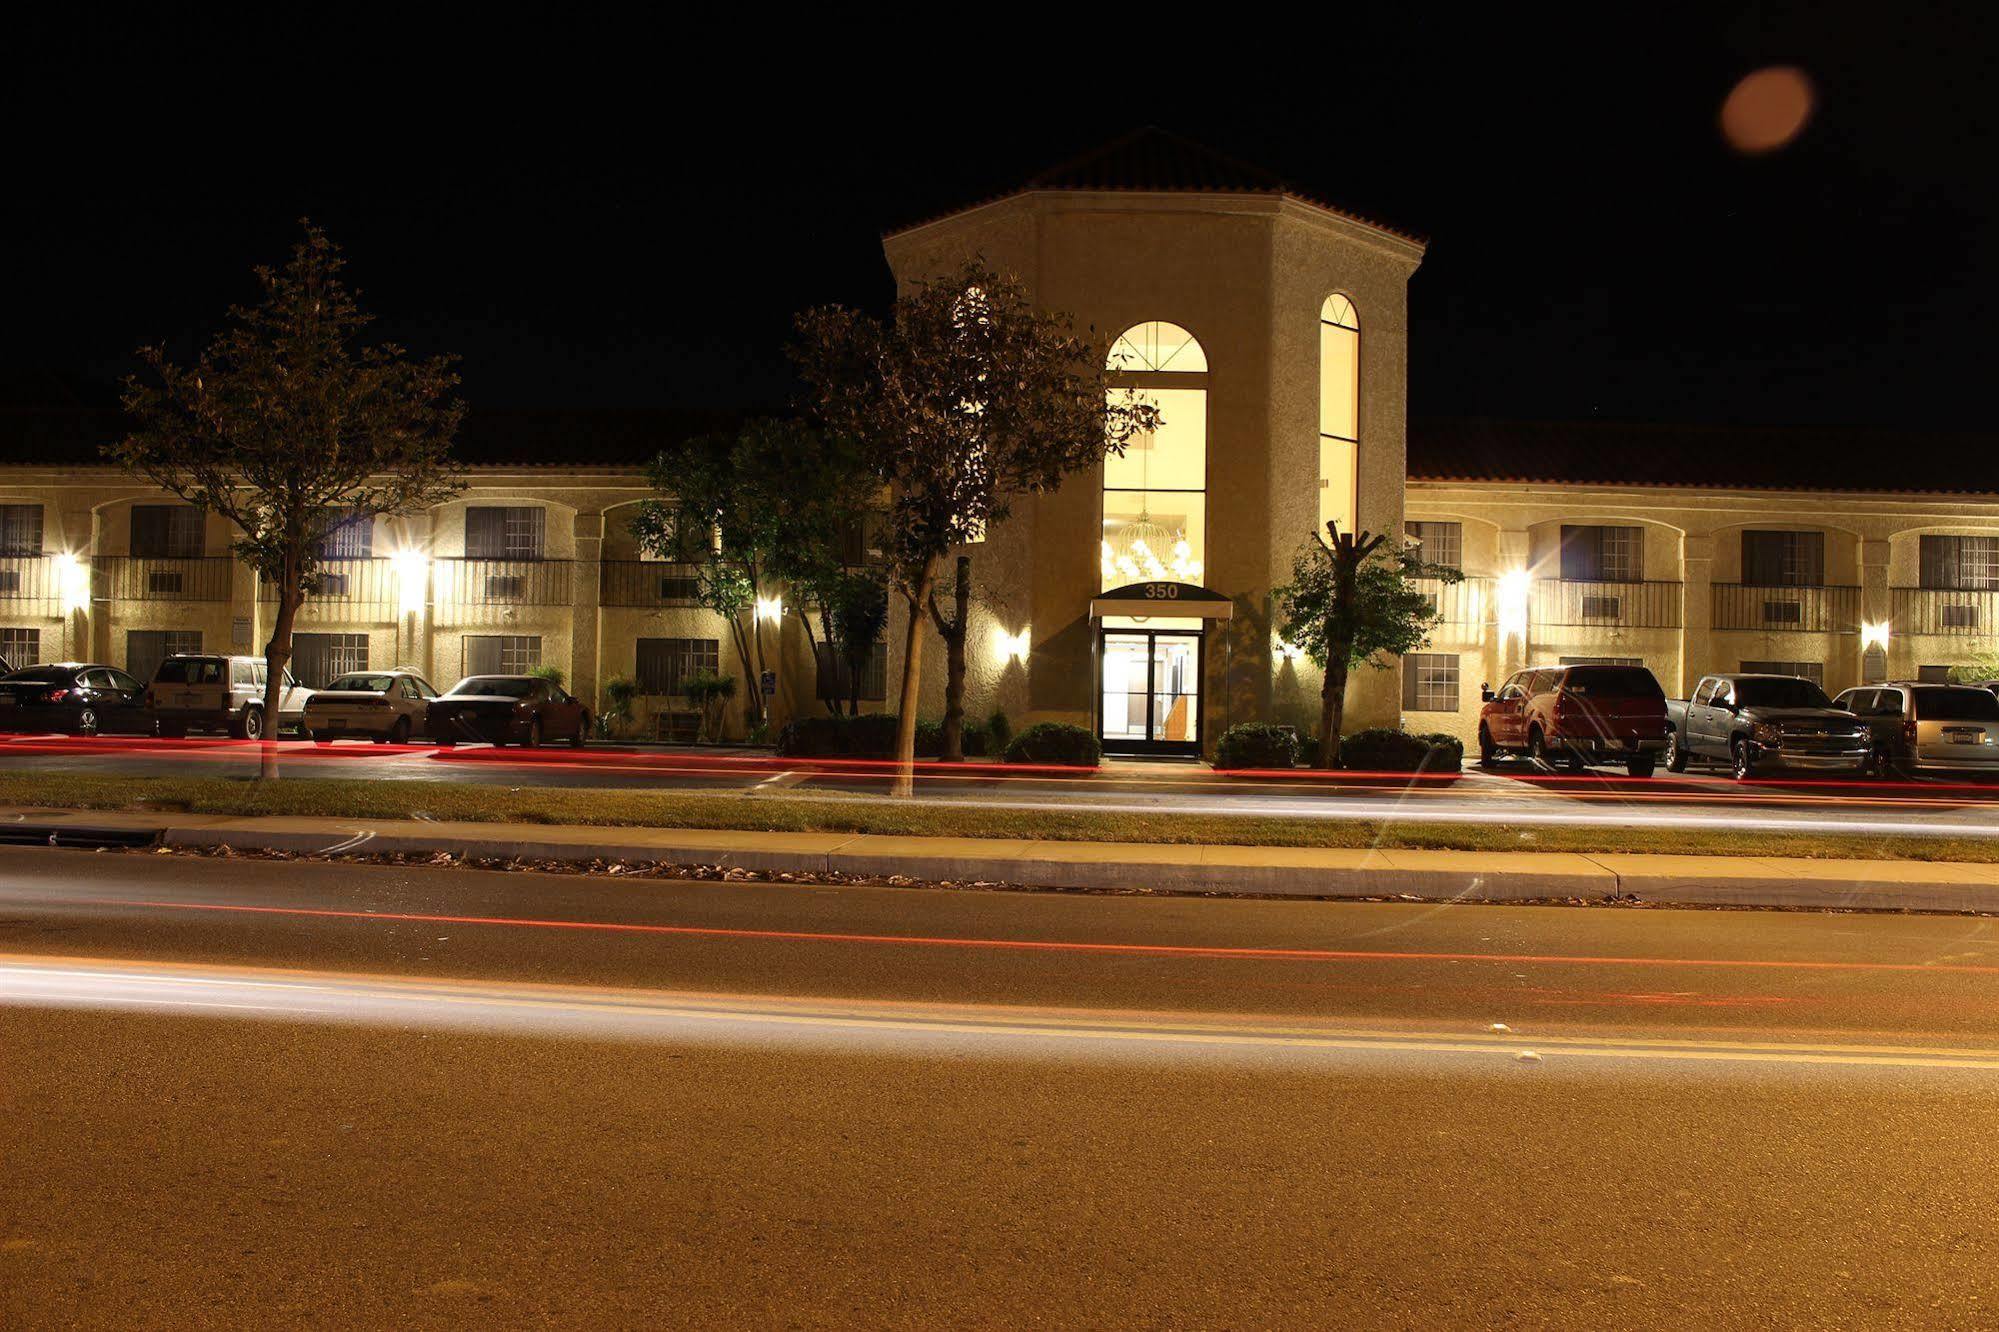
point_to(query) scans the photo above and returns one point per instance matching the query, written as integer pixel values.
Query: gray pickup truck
(1756, 721)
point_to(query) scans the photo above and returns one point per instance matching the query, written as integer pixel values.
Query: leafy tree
(759, 512)
(288, 428)
(964, 398)
(710, 694)
(1350, 603)
(856, 614)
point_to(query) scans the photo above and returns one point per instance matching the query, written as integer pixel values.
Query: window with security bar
(350, 536)
(510, 533)
(502, 654)
(319, 659)
(1960, 563)
(21, 647)
(1603, 554)
(20, 529)
(1430, 682)
(167, 531)
(1439, 543)
(145, 649)
(1783, 559)
(665, 663)
(1810, 670)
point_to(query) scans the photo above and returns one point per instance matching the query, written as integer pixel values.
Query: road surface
(1516, 796)
(255, 1093)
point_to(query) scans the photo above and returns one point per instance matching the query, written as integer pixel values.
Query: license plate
(1958, 738)
(190, 700)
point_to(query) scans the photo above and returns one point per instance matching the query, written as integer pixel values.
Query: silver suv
(197, 692)
(1919, 727)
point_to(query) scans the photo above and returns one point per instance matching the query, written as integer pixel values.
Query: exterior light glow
(1874, 635)
(1288, 651)
(412, 572)
(72, 582)
(1512, 607)
(1010, 647)
(770, 609)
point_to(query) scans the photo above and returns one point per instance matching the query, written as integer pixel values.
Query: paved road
(1518, 796)
(253, 1092)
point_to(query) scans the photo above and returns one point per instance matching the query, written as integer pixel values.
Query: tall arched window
(1339, 413)
(1156, 495)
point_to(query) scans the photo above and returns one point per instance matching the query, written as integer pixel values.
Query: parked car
(1576, 715)
(81, 698)
(1752, 721)
(1928, 727)
(382, 706)
(199, 692)
(521, 709)
(1992, 685)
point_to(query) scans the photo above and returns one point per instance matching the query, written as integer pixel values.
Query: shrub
(1381, 749)
(552, 674)
(1056, 742)
(1256, 745)
(871, 736)
(999, 732)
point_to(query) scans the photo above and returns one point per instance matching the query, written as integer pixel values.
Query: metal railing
(1947, 611)
(30, 586)
(357, 589)
(1559, 602)
(158, 578)
(1468, 602)
(1806, 610)
(475, 584)
(649, 583)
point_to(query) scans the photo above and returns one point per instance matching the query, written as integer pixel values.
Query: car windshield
(1614, 682)
(40, 675)
(509, 686)
(1956, 705)
(1780, 694)
(364, 684)
(189, 670)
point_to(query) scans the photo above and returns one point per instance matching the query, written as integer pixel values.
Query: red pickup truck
(1575, 716)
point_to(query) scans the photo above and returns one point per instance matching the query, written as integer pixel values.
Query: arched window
(1339, 413)
(1156, 495)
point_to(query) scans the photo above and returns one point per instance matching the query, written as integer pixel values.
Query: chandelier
(1146, 549)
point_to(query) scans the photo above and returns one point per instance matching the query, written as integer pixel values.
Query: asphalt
(1518, 796)
(248, 1093)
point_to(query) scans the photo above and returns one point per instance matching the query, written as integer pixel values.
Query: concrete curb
(1745, 881)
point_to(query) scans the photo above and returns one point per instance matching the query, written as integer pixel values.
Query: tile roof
(1612, 453)
(1154, 160)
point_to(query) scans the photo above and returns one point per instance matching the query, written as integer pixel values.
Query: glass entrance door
(1150, 691)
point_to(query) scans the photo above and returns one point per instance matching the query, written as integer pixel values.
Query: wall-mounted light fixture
(1286, 651)
(1512, 605)
(770, 609)
(1010, 647)
(412, 573)
(72, 582)
(1874, 635)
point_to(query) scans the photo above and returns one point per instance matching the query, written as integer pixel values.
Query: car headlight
(1767, 733)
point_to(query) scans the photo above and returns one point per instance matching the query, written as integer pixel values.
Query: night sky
(628, 218)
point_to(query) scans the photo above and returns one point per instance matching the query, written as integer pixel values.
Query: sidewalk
(1281, 871)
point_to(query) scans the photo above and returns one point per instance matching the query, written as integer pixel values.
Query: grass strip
(343, 798)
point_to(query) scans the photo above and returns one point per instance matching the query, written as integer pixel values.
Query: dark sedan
(81, 698)
(508, 709)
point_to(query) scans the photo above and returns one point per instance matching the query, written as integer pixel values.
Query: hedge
(1056, 742)
(872, 735)
(1256, 745)
(1382, 749)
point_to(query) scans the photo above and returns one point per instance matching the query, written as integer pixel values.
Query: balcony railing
(1467, 603)
(649, 583)
(1561, 603)
(30, 587)
(468, 591)
(1936, 610)
(158, 578)
(1773, 609)
(349, 590)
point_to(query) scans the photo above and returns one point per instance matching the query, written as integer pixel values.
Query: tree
(964, 398)
(760, 512)
(1349, 603)
(288, 427)
(856, 614)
